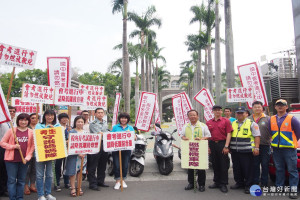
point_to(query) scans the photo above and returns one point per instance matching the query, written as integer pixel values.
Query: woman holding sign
(72, 165)
(49, 121)
(123, 119)
(15, 167)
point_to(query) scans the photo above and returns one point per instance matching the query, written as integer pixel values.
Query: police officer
(244, 145)
(97, 161)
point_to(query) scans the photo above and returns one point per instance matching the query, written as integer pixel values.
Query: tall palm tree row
(217, 53)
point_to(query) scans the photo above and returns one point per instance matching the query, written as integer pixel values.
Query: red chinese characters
(49, 143)
(115, 141)
(24, 107)
(193, 154)
(239, 94)
(58, 71)
(95, 97)
(84, 143)
(17, 57)
(70, 96)
(37, 93)
(205, 99)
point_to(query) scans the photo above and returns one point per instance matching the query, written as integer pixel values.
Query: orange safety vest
(283, 136)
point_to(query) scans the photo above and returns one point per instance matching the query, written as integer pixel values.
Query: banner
(116, 109)
(58, 69)
(251, 76)
(17, 57)
(4, 114)
(178, 113)
(185, 105)
(84, 143)
(95, 97)
(194, 154)
(239, 94)
(50, 144)
(118, 141)
(146, 110)
(25, 107)
(156, 116)
(70, 96)
(205, 99)
(37, 93)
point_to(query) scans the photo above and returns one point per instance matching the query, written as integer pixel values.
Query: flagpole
(10, 84)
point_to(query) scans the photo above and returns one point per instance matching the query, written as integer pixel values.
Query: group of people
(249, 139)
(22, 174)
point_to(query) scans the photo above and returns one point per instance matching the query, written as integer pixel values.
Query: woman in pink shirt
(16, 170)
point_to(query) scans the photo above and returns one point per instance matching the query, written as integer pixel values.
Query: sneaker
(124, 185)
(57, 188)
(117, 186)
(67, 186)
(42, 198)
(50, 197)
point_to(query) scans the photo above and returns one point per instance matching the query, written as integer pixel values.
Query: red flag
(4, 114)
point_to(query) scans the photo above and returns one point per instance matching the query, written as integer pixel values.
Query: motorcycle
(137, 159)
(163, 150)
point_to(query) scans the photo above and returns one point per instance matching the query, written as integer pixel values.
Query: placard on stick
(194, 154)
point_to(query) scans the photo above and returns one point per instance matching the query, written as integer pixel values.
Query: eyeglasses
(12, 111)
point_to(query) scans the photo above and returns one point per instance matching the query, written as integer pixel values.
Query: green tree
(187, 75)
(163, 77)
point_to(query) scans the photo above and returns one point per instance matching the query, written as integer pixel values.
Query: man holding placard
(244, 145)
(220, 129)
(97, 161)
(195, 130)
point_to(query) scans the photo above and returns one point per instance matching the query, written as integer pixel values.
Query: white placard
(25, 107)
(37, 93)
(116, 109)
(242, 94)
(4, 114)
(17, 57)
(251, 76)
(70, 96)
(178, 113)
(95, 97)
(84, 143)
(118, 141)
(205, 99)
(59, 71)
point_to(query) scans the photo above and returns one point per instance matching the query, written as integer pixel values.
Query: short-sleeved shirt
(232, 119)
(22, 137)
(205, 130)
(219, 129)
(119, 128)
(98, 126)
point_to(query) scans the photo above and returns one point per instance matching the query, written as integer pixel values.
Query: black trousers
(220, 162)
(243, 168)
(3, 173)
(201, 176)
(96, 162)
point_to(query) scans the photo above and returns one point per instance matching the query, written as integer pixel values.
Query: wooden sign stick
(10, 84)
(79, 181)
(121, 175)
(69, 114)
(17, 142)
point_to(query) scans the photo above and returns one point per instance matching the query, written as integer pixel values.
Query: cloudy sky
(87, 30)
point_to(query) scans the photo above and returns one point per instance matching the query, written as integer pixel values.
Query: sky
(87, 30)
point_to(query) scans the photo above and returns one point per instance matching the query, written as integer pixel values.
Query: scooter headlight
(158, 150)
(170, 150)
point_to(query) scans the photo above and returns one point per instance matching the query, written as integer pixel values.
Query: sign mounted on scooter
(118, 141)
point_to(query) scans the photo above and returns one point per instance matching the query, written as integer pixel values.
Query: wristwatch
(226, 147)
(256, 148)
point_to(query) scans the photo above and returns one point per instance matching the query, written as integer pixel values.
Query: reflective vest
(242, 139)
(197, 131)
(287, 137)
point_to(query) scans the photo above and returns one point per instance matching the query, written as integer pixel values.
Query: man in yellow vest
(244, 144)
(195, 130)
(285, 131)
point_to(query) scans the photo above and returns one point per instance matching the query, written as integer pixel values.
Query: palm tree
(229, 44)
(121, 6)
(143, 23)
(187, 75)
(157, 56)
(217, 54)
(163, 80)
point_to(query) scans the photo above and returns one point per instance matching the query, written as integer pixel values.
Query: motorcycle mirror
(175, 131)
(135, 128)
(150, 138)
(157, 124)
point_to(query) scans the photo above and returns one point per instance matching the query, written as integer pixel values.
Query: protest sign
(116, 109)
(156, 116)
(118, 141)
(37, 93)
(17, 57)
(58, 69)
(185, 105)
(84, 143)
(146, 110)
(239, 94)
(50, 144)
(70, 96)
(178, 113)
(251, 76)
(25, 107)
(205, 99)
(95, 97)
(194, 154)
(4, 114)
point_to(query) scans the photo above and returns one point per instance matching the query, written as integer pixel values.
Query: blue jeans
(16, 172)
(40, 171)
(125, 161)
(262, 159)
(288, 157)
